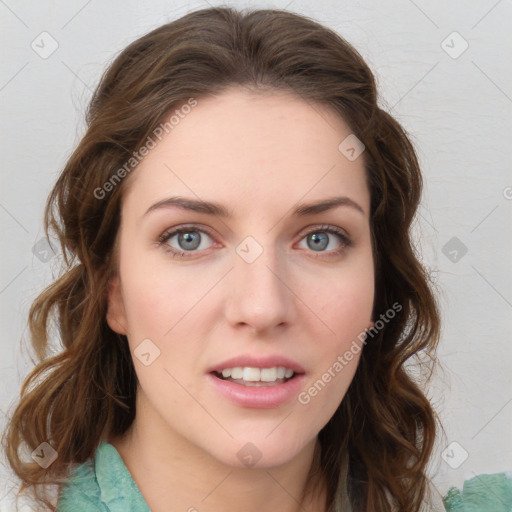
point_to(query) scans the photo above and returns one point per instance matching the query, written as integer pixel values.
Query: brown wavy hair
(379, 441)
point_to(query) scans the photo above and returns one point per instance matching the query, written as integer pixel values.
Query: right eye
(189, 239)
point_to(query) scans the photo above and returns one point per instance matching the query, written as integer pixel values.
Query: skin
(259, 154)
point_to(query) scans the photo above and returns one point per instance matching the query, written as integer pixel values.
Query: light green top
(104, 484)
(483, 493)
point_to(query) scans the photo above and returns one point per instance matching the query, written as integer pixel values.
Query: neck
(173, 474)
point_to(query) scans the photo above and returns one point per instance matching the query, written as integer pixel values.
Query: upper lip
(254, 361)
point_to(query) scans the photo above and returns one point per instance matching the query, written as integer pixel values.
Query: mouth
(257, 388)
(256, 377)
(258, 381)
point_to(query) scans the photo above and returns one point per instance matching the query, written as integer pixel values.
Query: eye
(320, 238)
(183, 240)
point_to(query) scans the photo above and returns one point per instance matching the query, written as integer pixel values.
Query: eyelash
(346, 242)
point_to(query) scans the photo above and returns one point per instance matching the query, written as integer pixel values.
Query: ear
(116, 315)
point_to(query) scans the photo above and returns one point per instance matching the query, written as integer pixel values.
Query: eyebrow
(212, 208)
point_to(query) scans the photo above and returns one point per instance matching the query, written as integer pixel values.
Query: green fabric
(105, 485)
(482, 493)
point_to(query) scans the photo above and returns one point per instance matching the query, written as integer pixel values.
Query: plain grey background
(444, 70)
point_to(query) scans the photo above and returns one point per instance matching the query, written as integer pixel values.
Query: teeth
(249, 374)
(268, 374)
(237, 373)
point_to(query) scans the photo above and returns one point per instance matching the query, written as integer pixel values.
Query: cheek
(347, 313)
(345, 310)
(156, 298)
(346, 306)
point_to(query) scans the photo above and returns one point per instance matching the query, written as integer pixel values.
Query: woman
(241, 292)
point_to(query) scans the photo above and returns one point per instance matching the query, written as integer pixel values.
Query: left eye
(319, 240)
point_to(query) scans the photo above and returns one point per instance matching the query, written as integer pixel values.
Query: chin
(259, 453)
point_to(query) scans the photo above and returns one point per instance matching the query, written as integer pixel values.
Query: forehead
(251, 146)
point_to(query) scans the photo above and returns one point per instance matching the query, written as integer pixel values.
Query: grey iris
(190, 237)
(320, 241)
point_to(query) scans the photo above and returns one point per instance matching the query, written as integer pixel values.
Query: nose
(259, 295)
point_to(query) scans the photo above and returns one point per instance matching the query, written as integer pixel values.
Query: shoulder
(81, 492)
(482, 493)
(102, 484)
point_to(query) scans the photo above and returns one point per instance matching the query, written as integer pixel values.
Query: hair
(378, 443)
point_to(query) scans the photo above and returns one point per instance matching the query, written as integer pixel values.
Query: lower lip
(258, 397)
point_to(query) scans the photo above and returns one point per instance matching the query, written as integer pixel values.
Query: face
(262, 282)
